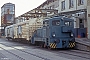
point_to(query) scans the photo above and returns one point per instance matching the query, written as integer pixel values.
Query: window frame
(46, 23)
(56, 23)
(71, 3)
(69, 23)
(63, 5)
(80, 2)
(8, 31)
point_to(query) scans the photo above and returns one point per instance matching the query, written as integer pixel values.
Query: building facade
(76, 9)
(7, 15)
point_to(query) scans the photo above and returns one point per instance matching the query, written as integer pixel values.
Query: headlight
(72, 34)
(54, 35)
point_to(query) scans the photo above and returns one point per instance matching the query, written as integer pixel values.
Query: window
(19, 30)
(63, 5)
(67, 23)
(80, 20)
(80, 2)
(46, 23)
(8, 31)
(50, 7)
(81, 23)
(56, 22)
(9, 17)
(71, 4)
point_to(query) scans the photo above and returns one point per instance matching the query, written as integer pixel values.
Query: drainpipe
(76, 4)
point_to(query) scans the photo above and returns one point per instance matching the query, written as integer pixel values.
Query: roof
(7, 4)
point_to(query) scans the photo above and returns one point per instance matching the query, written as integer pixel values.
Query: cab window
(68, 23)
(56, 22)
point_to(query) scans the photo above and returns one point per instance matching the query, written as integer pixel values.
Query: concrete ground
(82, 44)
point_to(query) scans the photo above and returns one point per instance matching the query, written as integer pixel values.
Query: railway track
(13, 54)
(76, 53)
(82, 54)
(81, 51)
(24, 52)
